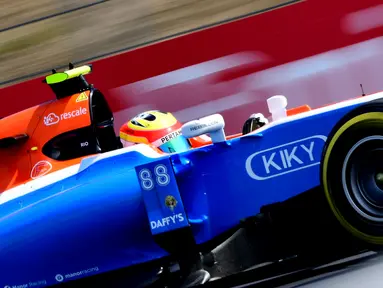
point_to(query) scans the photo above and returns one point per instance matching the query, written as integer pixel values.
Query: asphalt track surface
(363, 273)
(32, 45)
(363, 270)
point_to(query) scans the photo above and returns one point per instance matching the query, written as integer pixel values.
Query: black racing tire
(352, 173)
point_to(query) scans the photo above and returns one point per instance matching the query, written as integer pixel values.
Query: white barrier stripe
(215, 106)
(363, 20)
(193, 72)
(268, 79)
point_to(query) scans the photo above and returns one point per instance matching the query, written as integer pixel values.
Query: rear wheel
(352, 175)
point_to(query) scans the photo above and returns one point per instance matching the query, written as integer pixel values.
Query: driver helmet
(160, 129)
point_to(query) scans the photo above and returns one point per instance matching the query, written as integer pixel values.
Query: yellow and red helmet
(160, 129)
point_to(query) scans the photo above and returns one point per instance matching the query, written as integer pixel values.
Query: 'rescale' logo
(52, 118)
(286, 158)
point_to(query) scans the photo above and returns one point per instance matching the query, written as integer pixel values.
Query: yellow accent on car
(68, 74)
(82, 97)
(135, 139)
(75, 72)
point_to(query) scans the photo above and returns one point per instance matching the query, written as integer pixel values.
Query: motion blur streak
(310, 53)
(194, 72)
(314, 80)
(364, 20)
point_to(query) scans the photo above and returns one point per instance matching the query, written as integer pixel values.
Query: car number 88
(161, 176)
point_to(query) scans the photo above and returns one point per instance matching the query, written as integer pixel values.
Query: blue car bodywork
(104, 217)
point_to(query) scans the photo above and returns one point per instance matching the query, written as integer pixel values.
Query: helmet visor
(178, 144)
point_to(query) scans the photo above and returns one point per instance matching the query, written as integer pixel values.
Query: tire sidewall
(360, 123)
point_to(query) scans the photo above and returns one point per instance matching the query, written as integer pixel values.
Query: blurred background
(194, 57)
(41, 34)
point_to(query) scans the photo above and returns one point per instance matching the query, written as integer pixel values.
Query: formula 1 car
(75, 205)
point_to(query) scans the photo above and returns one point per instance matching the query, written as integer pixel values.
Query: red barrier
(314, 52)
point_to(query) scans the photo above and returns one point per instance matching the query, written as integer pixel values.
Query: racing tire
(352, 173)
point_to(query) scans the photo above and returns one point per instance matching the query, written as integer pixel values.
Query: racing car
(76, 205)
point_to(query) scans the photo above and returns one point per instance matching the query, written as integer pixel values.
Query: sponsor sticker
(286, 158)
(203, 125)
(37, 283)
(59, 278)
(52, 118)
(161, 196)
(167, 221)
(167, 138)
(41, 168)
(30, 284)
(170, 202)
(62, 277)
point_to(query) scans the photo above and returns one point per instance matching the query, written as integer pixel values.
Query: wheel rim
(362, 178)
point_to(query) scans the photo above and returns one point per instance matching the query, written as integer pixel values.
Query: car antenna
(53, 72)
(361, 87)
